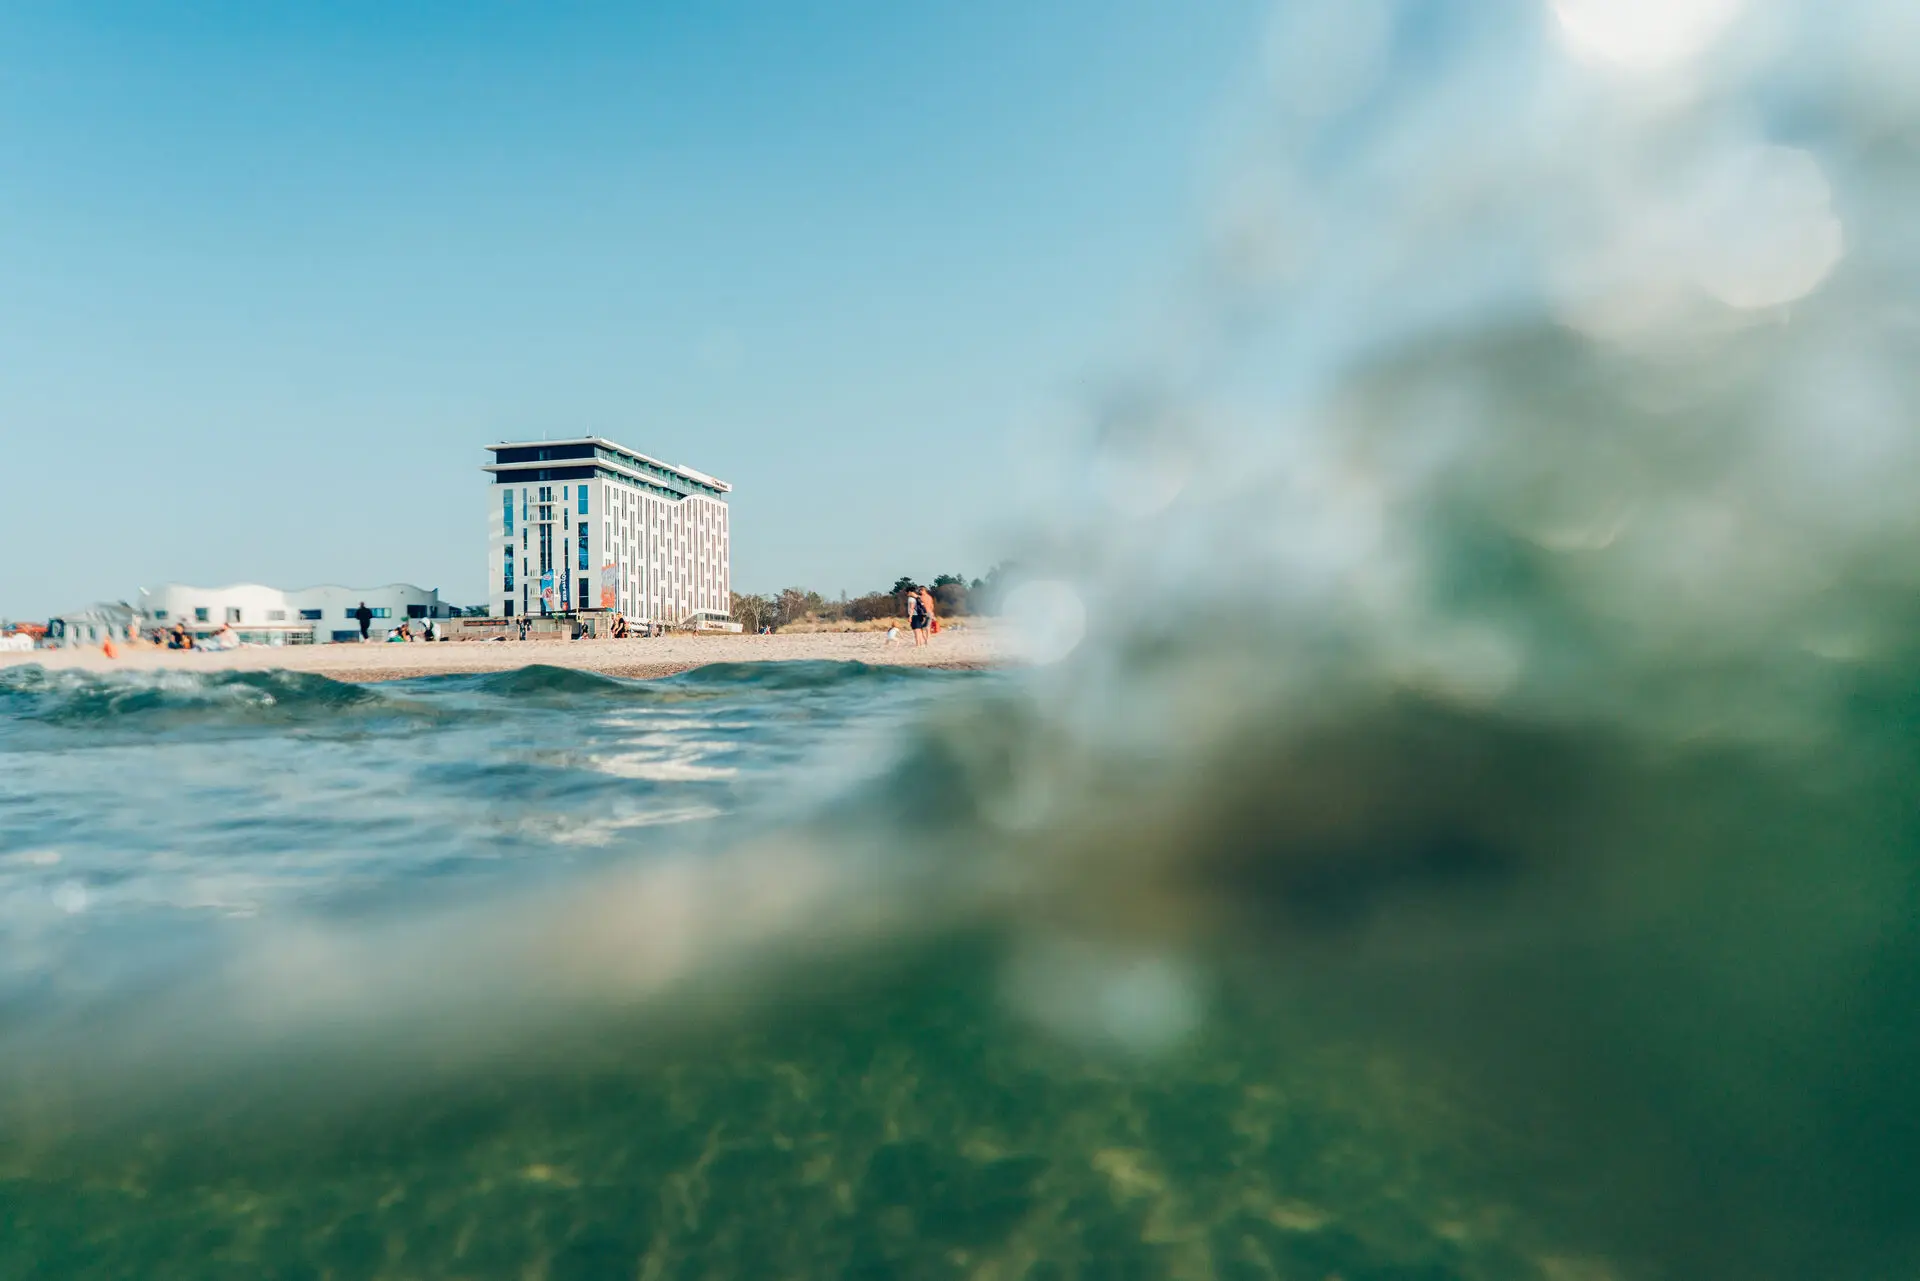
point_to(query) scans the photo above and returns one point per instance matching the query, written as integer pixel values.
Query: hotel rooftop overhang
(524, 459)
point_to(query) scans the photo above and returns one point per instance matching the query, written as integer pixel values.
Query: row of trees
(953, 596)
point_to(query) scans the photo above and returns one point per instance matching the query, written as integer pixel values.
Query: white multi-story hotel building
(589, 524)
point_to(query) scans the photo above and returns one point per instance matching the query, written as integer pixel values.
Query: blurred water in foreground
(307, 979)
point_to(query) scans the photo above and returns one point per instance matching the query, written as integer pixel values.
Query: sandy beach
(973, 646)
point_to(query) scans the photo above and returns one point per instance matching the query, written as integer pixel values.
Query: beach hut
(92, 625)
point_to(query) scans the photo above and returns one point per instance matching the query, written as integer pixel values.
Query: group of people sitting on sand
(178, 637)
(621, 629)
(404, 632)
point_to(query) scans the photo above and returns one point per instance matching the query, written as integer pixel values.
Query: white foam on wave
(568, 829)
(683, 766)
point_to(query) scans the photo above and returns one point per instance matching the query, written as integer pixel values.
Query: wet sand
(968, 647)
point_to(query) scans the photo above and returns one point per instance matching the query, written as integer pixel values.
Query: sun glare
(1644, 35)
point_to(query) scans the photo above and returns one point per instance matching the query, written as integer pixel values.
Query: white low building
(270, 616)
(93, 625)
(590, 524)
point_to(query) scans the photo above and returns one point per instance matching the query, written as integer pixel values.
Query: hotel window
(583, 546)
(200, 614)
(382, 613)
(276, 616)
(311, 613)
(233, 615)
(506, 513)
(583, 500)
(507, 580)
(159, 615)
(416, 611)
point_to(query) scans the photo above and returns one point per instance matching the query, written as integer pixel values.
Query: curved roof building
(271, 616)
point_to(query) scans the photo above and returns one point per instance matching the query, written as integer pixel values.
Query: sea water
(893, 1112)
(314, 979)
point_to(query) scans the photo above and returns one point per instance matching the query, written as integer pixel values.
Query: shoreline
(631, 671)
(970, 648)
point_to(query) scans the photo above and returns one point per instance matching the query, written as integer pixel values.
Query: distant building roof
(287, 591)
(583, 447)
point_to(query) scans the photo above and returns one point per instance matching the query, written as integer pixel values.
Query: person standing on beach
(919, 616)
(364, 617)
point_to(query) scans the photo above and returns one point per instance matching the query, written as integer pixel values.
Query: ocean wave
(538, 680)
(809, 674)
(712, 680)
(166, 699)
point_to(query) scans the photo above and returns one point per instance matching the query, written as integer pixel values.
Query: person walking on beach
(364, 617)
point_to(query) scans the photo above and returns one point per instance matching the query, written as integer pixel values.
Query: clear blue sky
(271, 275)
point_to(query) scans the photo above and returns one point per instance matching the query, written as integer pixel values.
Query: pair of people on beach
(921, 619)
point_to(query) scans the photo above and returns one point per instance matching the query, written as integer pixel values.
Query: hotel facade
(591, 524)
